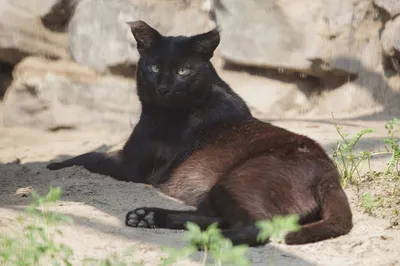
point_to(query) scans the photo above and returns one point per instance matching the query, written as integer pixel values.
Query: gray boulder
(391, 6)
(35, 8)
(291, 35)
(22, 32)
(390, 37)
(100, 38)
(57, 18)
(258, 33)
(390, 40)
(50, 95)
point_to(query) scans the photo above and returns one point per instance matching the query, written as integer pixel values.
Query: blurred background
(70, 64)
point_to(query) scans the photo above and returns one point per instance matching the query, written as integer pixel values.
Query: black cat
(197, 141)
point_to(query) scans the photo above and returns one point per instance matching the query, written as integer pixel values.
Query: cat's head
(174, 71)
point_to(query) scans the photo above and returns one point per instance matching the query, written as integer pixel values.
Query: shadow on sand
(108, 197)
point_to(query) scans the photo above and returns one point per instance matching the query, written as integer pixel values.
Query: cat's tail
(335, 213)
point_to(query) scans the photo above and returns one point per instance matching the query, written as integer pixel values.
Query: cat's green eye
(183, 71)
(154, 68)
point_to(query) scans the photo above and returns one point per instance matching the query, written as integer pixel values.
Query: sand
(98, 203)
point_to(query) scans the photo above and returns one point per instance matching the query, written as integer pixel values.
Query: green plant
(113, 259)
(277, 227)
(212, 242)
(369, 203)
(348, 161)
(393, 126)
(37, 245)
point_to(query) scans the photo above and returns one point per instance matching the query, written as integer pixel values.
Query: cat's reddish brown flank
(197, 141)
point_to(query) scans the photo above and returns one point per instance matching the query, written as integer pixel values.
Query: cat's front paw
(54, 166)
(141, 217)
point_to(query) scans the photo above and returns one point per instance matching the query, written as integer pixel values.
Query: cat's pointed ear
(145, 36)
(206, 43)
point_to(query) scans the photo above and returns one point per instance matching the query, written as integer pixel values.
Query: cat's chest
(166, 142)
(170, 135)
(173, 130)
(164, 151)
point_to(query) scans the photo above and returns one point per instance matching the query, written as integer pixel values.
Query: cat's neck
(161, 112)
(223, 104)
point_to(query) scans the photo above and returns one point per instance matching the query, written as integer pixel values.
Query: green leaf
(193, 228)
(36, 198)
(53, 195)
(175, 254)
(277, 226)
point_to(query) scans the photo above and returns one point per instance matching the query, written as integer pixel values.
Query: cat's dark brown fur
(197, 141)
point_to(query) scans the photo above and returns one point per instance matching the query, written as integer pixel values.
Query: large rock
(391, 6)
(57, 18)
(61, 94)
(22, 32)
(390, 40)
(291, 35)
(258, 33)
(390, 37)
(5, 77)
(36, 8)
(100, 38)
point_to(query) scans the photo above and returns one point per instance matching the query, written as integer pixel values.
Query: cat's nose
(163, 89)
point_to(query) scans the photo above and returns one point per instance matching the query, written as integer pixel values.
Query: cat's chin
(162, 96)
(172, 100)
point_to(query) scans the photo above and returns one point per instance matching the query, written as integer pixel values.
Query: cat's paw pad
(140, 217)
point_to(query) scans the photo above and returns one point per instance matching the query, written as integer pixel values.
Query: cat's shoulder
(225, 99)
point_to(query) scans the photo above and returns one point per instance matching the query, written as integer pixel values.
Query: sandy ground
(98, 203)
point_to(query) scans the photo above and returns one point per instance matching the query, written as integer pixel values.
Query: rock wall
(71, 63)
